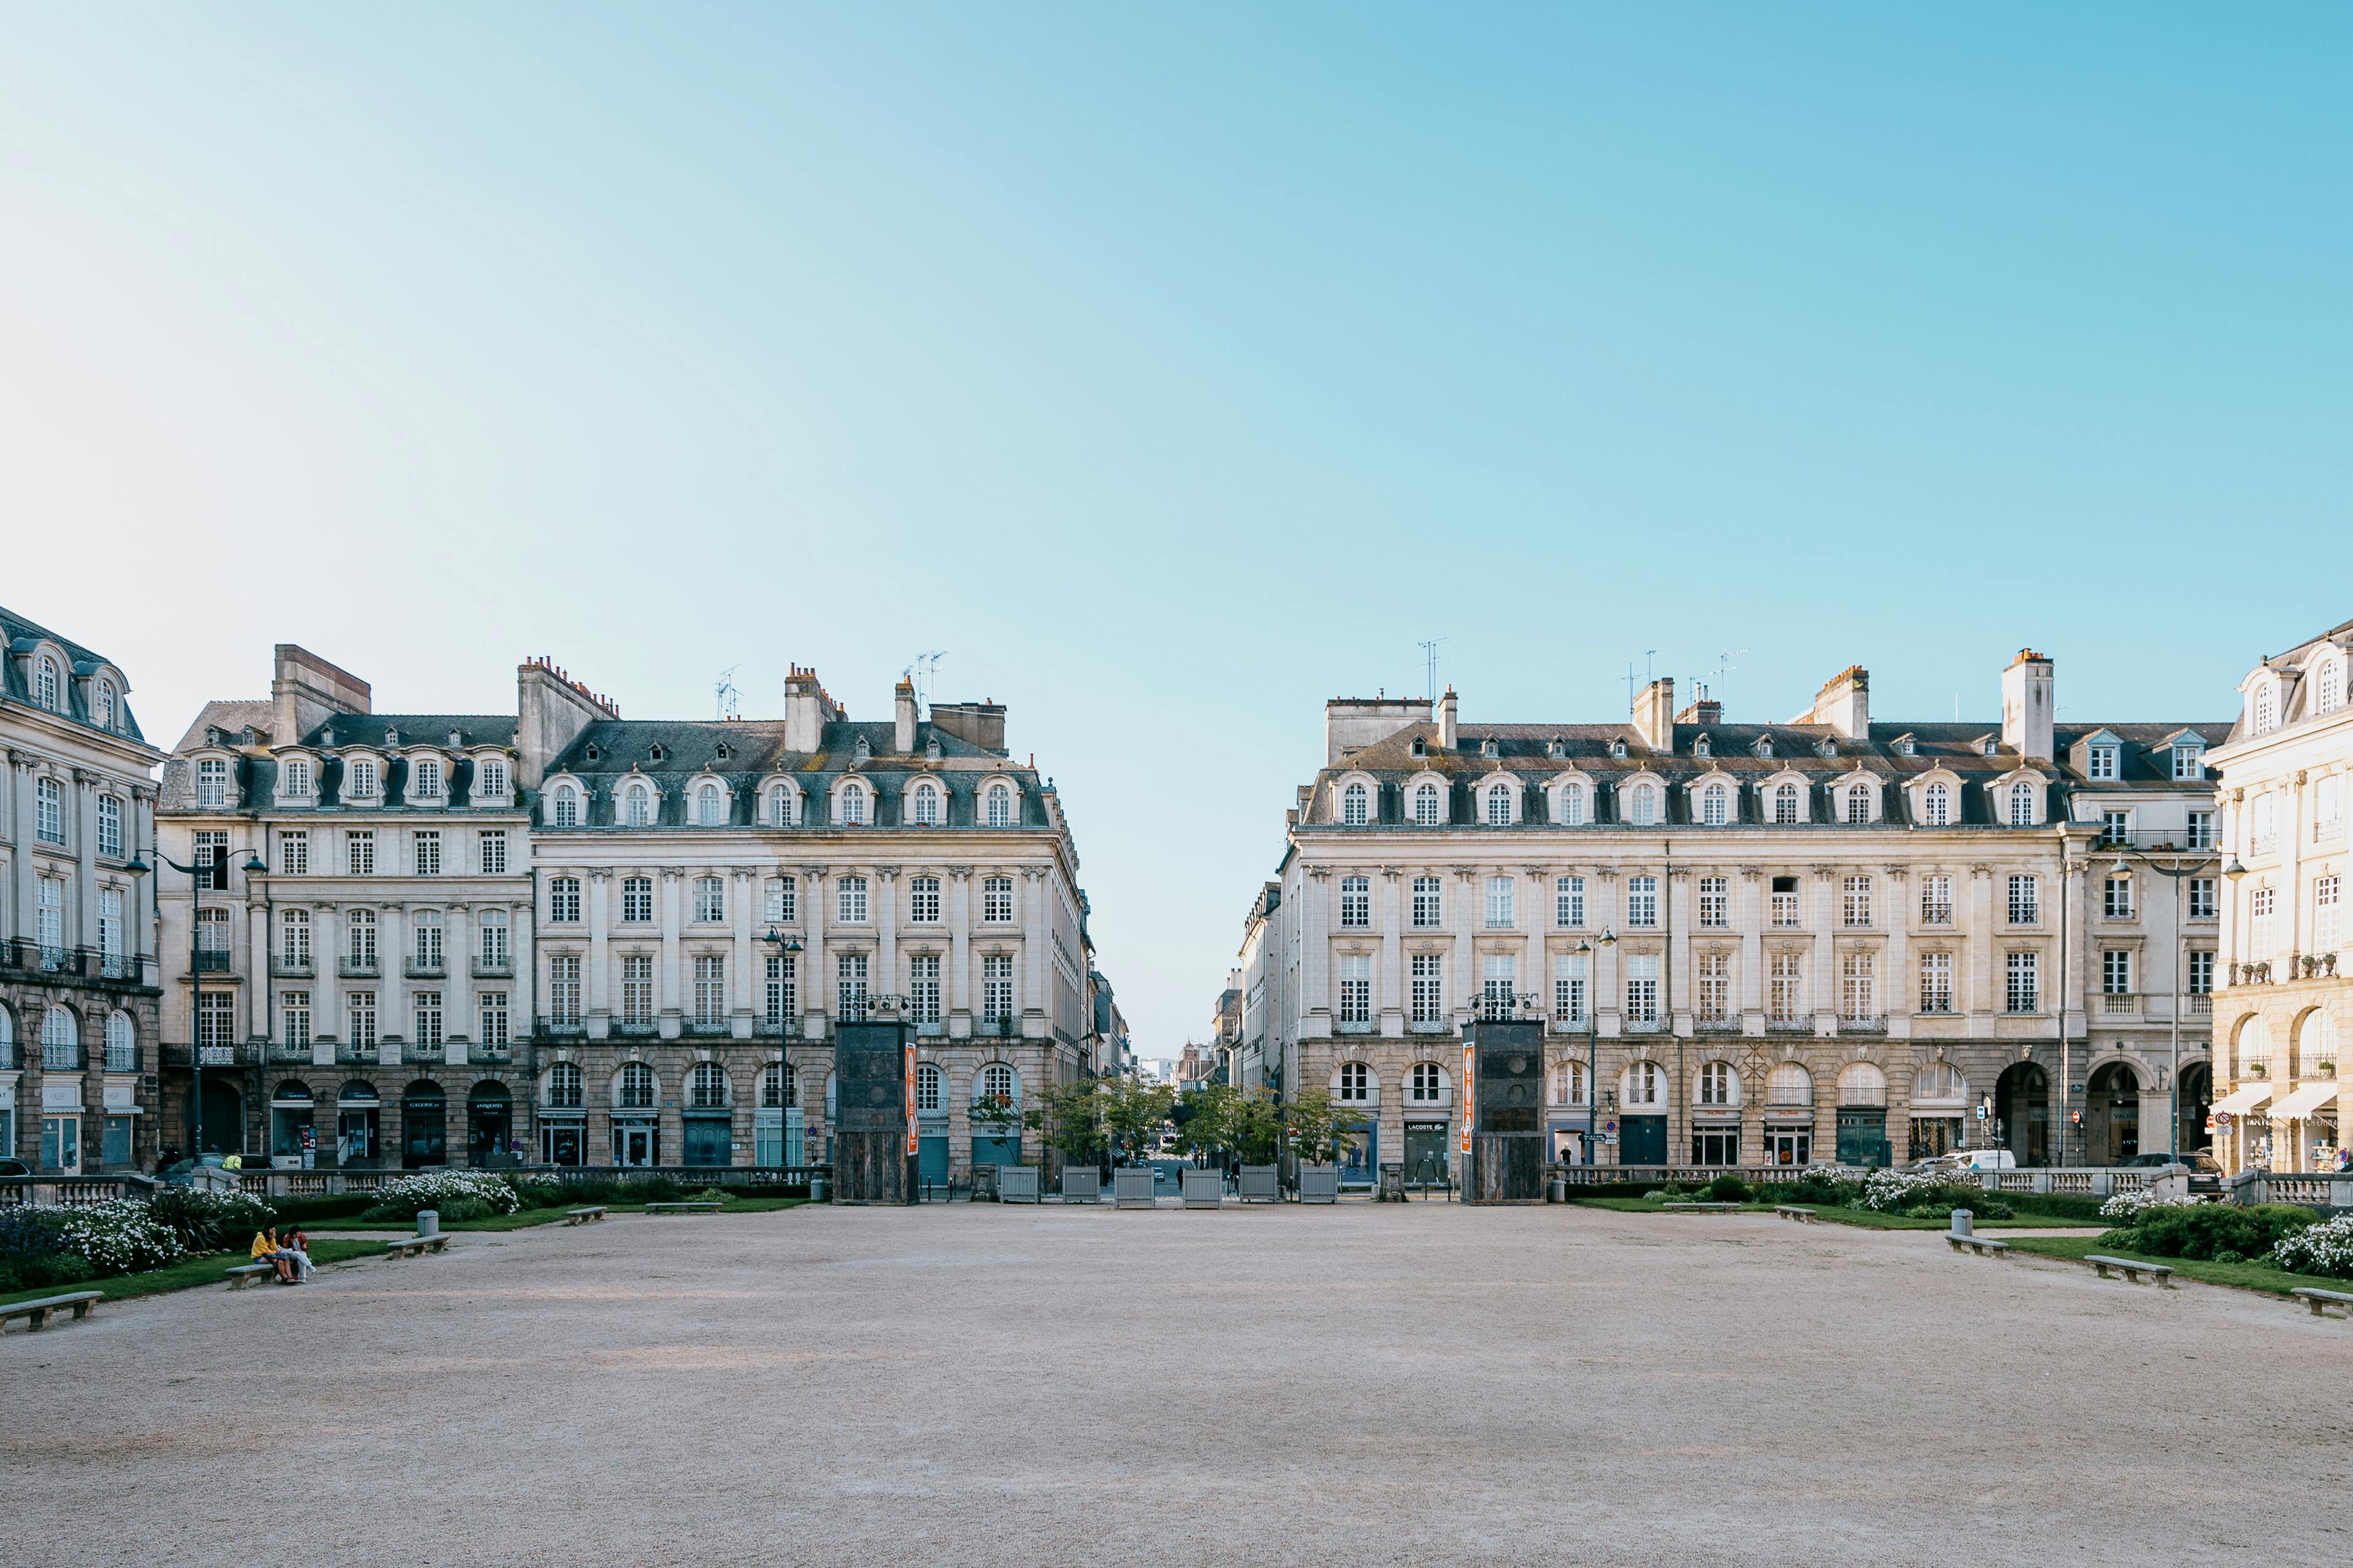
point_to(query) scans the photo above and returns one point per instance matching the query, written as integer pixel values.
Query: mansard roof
(18, 635)
(415, 730)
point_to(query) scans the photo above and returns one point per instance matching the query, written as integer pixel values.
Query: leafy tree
(993, 1115)
(1135, 1115)
(1070, 1118)
(1321, 1133)
(1205, 1118)
(1255, 1127)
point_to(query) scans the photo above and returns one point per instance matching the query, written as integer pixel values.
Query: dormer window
(327, 736)
(426, 775)
(294, 776)
(1764, 745)
(853, 805)
(1700, 747)
(455, 740)
(931, 748)
(640, 807)
(723, 751)
(391, 737)
(2188, 763)
(590, 754)
(1356, 805)
(566, 810)
(106, 705)
(1420, 747)
(1907, 747)
(1555, 747)
(1618, 748)
(2102, 762)
(2266, 715)
(999, 807)
(864, 752)
(212, 782)
(491, 782)
(45, 683)
(1986, 745)
(653, 753)
(926, 805)
(1828, 748)
(363, 777)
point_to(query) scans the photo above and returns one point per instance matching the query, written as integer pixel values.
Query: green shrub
(318, 1210)
(2226, 1256)
(542, 1192)
(39, 1273)
(211, 1222)
(2207, 1230)
(1728, 1189)
(455, 1195)
(707, 1196)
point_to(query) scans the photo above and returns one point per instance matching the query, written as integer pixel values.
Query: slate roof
(20, 635)
(416, 729)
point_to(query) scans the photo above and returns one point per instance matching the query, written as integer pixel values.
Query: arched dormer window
(564, 810)
(710, 807)
(46, 685)
(490, 786)
(1356, 805)
(425, 778)
(924, 804)
(212, 781)
(853, 805)
(639, 806)
(361, 779)
(2328, 685)
(1429, 805)
(1858, 803)
(295, 780)
(1936, 805)
(1642, 805)
(2022, 805)
(2266, 714)
(1572, 806)
(105, 705)
(781, 811)
(999, 805)
(1788, 805)
(1715, 805)
(1498, 797)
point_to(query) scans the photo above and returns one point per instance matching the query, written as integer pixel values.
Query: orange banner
(1469, 1072)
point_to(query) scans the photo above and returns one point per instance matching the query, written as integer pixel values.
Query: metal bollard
(428, 1222)
(1962, 1219)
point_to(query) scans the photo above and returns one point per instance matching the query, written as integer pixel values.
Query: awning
(2245, 1097)
(2300, 1105)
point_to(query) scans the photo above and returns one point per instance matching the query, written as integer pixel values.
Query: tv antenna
(728, 699)
(1430, 662)
(1723, 665)
(923, 672)
(1648, 654)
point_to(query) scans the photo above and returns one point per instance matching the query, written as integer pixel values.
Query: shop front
(1429, 1150)
(1789, 1139)
(1715, 1138)
(490, 1123)
(359, 1126)
(563, 1137)
(424, 1126)
(293, 1127)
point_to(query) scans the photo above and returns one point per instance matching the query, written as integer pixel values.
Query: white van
(1983, 1160)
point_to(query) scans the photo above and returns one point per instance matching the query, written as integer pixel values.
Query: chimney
(1654, 714)
(1352, 723)
(305, 691)
(807, 711)
(903, 713)
(978, 724)
(2026, 705)
(551, 710)
(1705, 710)
(1446, 725)
(1844, 704)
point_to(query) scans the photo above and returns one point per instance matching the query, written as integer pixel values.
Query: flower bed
(2324, 1249)
(2127, 1207)
(454, 1194)
(42, 1246)
(1926, 1194)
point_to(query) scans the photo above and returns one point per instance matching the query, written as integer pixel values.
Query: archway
(2112, 1116)
(2194, 1101)
(224, 1118)
(490, 1124)
(2023, 1113)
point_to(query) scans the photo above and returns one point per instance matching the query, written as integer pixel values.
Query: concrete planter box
(1017, 1184)
(1261, 1184)
(1081, 1184)
(1319, 1184)
(1131, 1187)
(1204, 1189)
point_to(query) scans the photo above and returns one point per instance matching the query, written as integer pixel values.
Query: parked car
(2205, 1170)
(15, 1168)
(1981, 1159)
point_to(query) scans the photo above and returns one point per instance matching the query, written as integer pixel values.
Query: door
(223, 1119)
(1362, 1157)
(2194, 1093)
(116, 1150)
(355, 1137)
(425, 1130)
(2023, 1113)
(2112, 1116)
(706, 1142)
(61, 1144)
(1425, 1151)
(1642, 1141)
(995, 1150)
(559, 1142)
(1861, 1136)
(932, 1159)
(1789, 1146)
(633, 1143)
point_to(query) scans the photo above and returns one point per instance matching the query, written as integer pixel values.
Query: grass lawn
(529, 1217)
(1870, 1219)
(2245, 1276)
(206, 1270)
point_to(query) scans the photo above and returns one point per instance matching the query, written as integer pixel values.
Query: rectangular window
(637, 901)
(849, 985)
(426, 776)
(1568, 902)
(783, 899)
(1786, 911)
(563, 989)
(637, 989)
(294, 779)
(1937, 901)
(2116, 972)
(1786, 989)
(1642, 988)
(359, 938)
(1499, 986)
(1715, 989)
(997, 989)
(428, 853)
(1355, 902)
(492, 845)
(1715, 903)
(1356, 989)
(294, 939)
(923, 900)
(294, 1018)
(109, 928)
(710, 901)
(1499, 903)
(490, 784)
(110, 826)
(783, 989)
(2025, 901)
(2201, 972)
(849, 900)
(50, 919)
(1856, 908)
(359, 853)
(428, 939)
(212, 939)
(2116, 897)
(212, 782)
(1935, 983)
(2116, 827)
(2103, 762)
(496, 1030)
(212, 858)
(359, 1019)
(429, 1019)
(2259, 922)
(2202, 830)
(1428, 988)
(48, 812)
(1568, 990)
(562, 901)
(710, 988)
(2324, 914)
(2023, 993)
(294, 854)
(216, 1026)
(1857, 987)
(492, 947)
(1427, 903)
(2205, 901)
(1641, 902)
(923, 987)
(996, 900)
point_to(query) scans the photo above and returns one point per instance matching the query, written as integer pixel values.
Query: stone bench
(414, 1246)
(1977, 1244)
(1791, 1210)
(582, 1217)
(2158, 1273)
(697, 1205)
(37, 1314)
(245, 1274)
(2321, 1301)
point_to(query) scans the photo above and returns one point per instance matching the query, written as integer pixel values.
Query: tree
(1254, 1128)
(993, 1115)
(1204, 1118)
(1321, 1133)
(1070, 1118)
(1135, 1115)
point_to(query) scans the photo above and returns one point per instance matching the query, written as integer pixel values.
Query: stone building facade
(2284, 998)
(577, 939)
(77, 975)
(1765, 943)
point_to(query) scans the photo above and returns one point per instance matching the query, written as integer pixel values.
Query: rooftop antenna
(728, 700)
(1429, 660)
(1648, 654)
(924, 671)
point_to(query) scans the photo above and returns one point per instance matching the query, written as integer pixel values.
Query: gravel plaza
(978, 1384)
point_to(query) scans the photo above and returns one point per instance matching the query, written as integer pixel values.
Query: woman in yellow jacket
(265, 1249)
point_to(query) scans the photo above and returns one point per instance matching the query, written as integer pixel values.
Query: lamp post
(1593, 1036)
(787, 948)
(196, 874)
(2174, 874)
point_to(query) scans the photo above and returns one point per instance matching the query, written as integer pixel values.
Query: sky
(1177, 368)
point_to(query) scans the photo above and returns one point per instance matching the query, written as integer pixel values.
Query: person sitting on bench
(266, 1248)
(296, 1250)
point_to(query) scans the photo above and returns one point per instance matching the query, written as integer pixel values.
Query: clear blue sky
(1177, 367)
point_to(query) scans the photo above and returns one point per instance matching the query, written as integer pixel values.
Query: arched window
(930, 1089)
(1936, 805)
(2315, 1042)
(45, 683)
(1568, 1084)
(641, 807)
(1353, 808)
(1715, 805)
(1862, 1084)
(1785, 803)
(1000, 806)
(106, 705)
(427, 774)
(1939, 1083)
(564, 1087)
(706, 1086)
(1425, 805)
(853, 805)
(121, 1043)
(8, 1038)
(1719, 1086)
(926, 807)
(1789, 1084)
(1353, 1084)
(1572, 806)
(1499, 805)
(1858, 803)
(633, 1088)
(1428, 1084)
(996, 1081)
(568, 806)
(780, 807)
(60, 1041)
(2328, 686)
(2266, 710)
(710, 807)
(491, 782)
(1645, 1084)
(2022, 805)
(1644, 808)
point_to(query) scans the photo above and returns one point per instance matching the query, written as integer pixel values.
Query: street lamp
(788, 948)
(196, 874)
(1592, 1033)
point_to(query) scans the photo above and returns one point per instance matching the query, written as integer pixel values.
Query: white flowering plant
(453, 1195)
(1926, 1194)
(2126, 1207)
(2324, 1248)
